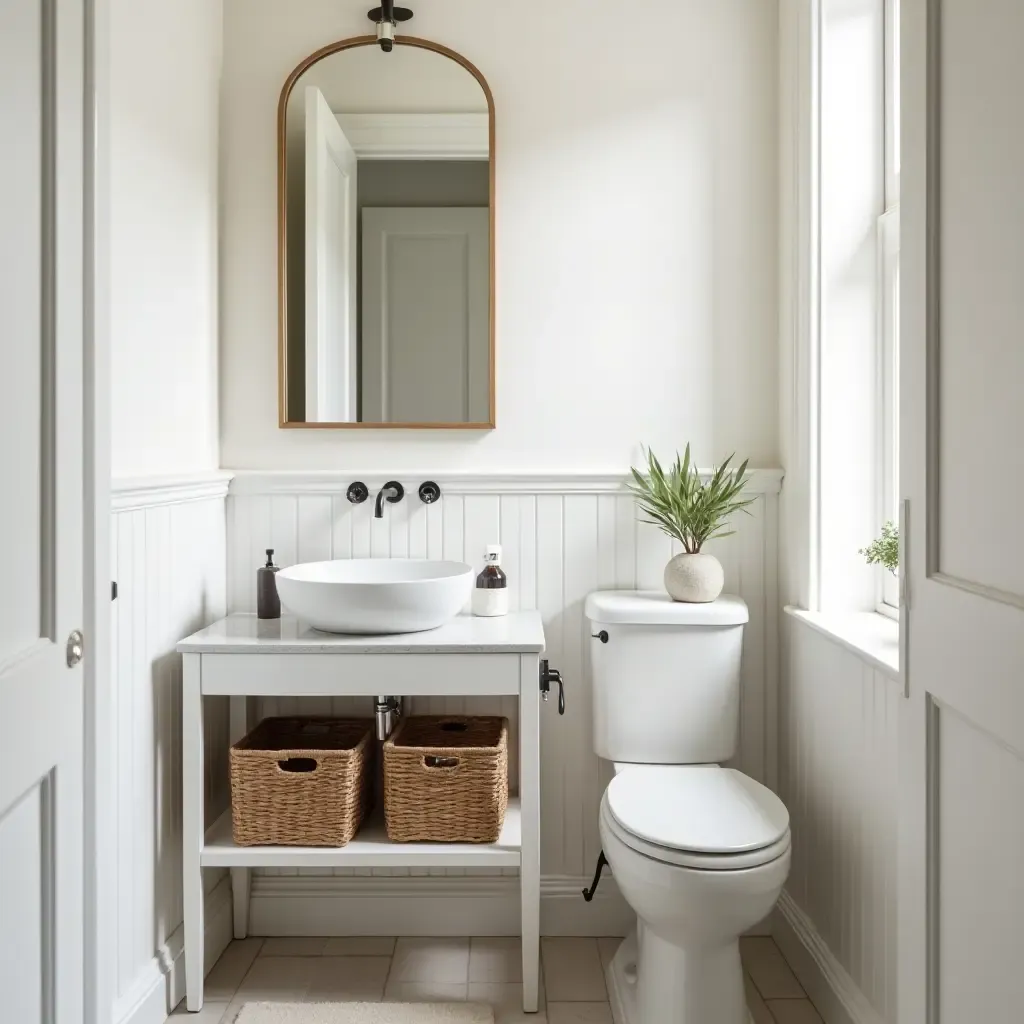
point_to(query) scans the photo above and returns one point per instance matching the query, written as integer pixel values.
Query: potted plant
(884, 550)
(691, 511)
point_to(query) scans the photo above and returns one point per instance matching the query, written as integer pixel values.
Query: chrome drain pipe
(387, 711)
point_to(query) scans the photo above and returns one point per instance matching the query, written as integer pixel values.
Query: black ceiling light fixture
(386, 17)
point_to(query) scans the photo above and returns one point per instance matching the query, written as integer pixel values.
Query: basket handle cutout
(434, 761)
(299, 765)
(454, 726)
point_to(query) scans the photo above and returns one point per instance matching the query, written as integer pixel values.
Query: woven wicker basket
(446, 779)
(302, 782)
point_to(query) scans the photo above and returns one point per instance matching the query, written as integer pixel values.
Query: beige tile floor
(481, 970)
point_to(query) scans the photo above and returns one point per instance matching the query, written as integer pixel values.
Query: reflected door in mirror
(387, 240)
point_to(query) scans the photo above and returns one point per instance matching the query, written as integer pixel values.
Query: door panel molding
(933, 257)
(933, 322)
(48, 894)
(981, 589)
(48, 325)
(933, 785)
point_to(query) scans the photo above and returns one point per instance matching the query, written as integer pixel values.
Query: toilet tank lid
(655, 607)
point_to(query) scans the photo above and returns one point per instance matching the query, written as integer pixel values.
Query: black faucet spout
(393, 491)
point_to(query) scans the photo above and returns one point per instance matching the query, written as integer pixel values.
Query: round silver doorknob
(75, 648)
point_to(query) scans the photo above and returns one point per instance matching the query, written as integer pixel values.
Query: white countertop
(517, 632)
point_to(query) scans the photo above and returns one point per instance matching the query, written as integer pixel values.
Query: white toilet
(700, 852)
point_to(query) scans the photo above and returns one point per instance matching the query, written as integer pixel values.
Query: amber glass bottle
(490, 597)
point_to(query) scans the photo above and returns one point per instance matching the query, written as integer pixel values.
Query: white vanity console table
(242, 656)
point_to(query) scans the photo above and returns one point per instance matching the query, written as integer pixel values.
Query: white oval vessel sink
(376, 595)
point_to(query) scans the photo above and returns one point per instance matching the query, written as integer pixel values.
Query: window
(889, 304)
(841, 233)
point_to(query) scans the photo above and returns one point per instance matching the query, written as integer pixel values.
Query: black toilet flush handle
(549, 676)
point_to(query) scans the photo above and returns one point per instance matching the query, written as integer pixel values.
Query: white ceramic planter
(695, 579)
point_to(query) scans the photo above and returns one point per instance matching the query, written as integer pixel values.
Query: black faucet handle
(429, 492)
(357, 492)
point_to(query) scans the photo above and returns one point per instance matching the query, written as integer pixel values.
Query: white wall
(562, 536)
(159, 128)
(636, 232)
(163, 131)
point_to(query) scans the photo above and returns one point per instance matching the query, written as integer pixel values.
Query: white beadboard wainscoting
(168, 559)
(563, 535)
(838, 726)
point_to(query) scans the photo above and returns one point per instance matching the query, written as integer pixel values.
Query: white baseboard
(308, 905)
(832, 990)
(160, 986)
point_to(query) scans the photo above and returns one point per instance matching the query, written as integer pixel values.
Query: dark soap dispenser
(268, 604)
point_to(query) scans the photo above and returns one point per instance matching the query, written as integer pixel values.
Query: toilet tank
(666, 684)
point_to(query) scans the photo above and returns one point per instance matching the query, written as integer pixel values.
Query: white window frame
(888, 382)
(888, 293)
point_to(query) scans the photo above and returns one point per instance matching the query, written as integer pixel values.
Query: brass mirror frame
(282, 227)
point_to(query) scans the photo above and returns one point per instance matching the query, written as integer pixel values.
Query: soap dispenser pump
(268, 603)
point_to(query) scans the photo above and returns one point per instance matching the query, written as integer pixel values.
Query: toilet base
(622, 979)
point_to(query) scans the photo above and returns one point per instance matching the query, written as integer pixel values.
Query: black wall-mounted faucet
(393, 491)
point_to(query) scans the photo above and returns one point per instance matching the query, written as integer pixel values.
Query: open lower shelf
(371, 848)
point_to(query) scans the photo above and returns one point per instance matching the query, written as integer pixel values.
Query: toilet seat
(698, 816)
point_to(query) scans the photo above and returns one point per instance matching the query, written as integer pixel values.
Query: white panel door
(425, 330)
(961, 883)
(41, 701)
(331, 358)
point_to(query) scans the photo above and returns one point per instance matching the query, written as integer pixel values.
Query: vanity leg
(240, 877)
(240, 898)
(529, 801)
(193, 818)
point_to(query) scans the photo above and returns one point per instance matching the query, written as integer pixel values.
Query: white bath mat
(365, 1013)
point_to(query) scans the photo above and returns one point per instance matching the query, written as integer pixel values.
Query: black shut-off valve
(548, 676)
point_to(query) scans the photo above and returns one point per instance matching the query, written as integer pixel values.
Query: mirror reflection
(386, 241)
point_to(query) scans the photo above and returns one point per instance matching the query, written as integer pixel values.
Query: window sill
(874, 638)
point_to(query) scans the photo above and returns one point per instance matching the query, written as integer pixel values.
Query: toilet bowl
(699, 851)
(692, 905)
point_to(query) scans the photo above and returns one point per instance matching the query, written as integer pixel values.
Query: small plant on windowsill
(885, 550)
(691, 511)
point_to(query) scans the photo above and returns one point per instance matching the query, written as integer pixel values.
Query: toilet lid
(700, 808)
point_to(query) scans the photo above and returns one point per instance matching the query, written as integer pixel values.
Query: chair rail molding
(612, 481)
(130, 493)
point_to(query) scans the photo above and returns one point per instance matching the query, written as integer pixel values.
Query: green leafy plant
(885, 550)
(684, 506)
